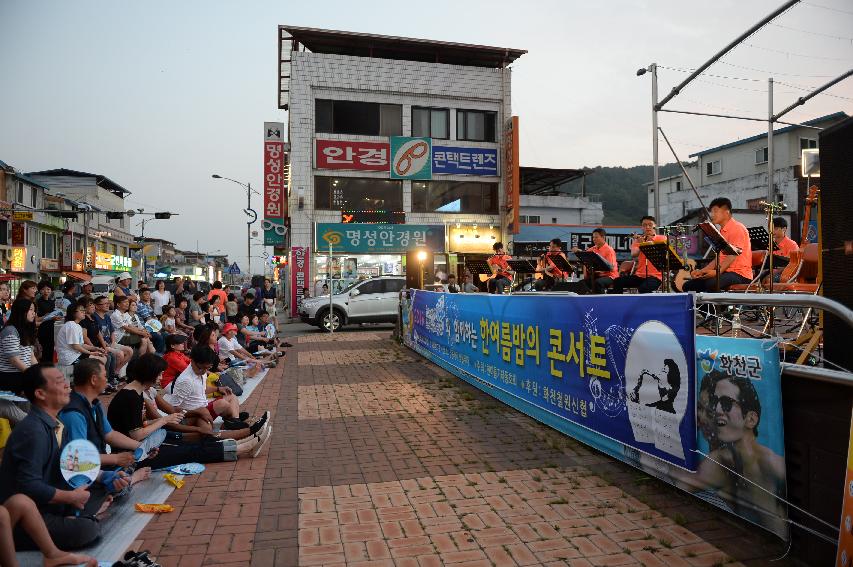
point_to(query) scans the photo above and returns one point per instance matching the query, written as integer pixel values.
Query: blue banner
(610, 371)
(358, 238)
(464, 161)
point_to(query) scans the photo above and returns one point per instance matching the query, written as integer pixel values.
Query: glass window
(34, 197)
(713, 167)
(533, 219)
(353, 117)
(431, 122)
(357, 194)
(394, 286)
(808, 143)
(475, 125)
(20, 195)
(48, 245)
(370, 286)
(32, 236)
(454, 197)
(4, 232)
(761, 155)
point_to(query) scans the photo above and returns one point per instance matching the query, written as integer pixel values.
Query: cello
(792, 270)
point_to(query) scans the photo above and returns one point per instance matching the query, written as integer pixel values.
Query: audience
(70, 346)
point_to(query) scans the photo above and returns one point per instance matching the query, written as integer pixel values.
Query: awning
(80, 276)
(9, 277)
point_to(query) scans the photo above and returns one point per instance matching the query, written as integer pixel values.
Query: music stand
(522, 266)
(718, 244)
(593, 263)
(563, 264)
(478, 268)
(759, 238)
(663, 257)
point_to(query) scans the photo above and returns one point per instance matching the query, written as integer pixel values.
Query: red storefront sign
(275, 196)
(18, 233)
(298, 276)
(361, 156)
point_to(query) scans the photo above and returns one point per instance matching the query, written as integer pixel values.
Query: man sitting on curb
(189, 391)
(31, 465)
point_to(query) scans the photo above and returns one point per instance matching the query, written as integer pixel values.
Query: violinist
(551, 274)
(646, 278)
(501, 273)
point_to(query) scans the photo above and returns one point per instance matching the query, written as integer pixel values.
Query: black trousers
(710, 284)
(69, 532)
(601, 284)
(643, 285)
(46, 340)
(497, 285)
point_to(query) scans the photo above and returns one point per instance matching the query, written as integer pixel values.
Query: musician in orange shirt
(733, 269)
(602, 280)
(646, 278)
(501, 272)
(551, 274)
(783, 242)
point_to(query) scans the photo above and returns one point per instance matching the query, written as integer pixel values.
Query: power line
(810, 89)
(828, 8)
(775, 73)
(788, 53)
(838, 37)
(711, 75)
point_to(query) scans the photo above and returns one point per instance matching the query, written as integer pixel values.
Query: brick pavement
(381, 458)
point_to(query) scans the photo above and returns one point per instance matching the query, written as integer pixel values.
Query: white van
(103, 285)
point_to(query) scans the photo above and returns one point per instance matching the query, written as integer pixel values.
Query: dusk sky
(159, 95)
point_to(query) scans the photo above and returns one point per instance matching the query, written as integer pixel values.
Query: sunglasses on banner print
(278, 228)
(726, 402)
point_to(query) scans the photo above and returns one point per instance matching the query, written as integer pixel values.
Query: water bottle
(736, 323)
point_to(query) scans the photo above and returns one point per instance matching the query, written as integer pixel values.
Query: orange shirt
(499, 261)
(736, 235)
(646, 269)
(609, 255)
(549, 263)
(786, 246)
(223, 297)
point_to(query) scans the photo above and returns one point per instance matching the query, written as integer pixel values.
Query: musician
(501, 272)
(733, 269)
(603, 279)
(784, 243)
(646, 278)
(551, 274)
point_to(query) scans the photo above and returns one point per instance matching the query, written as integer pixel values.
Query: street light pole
(250, 213)
(653, 69)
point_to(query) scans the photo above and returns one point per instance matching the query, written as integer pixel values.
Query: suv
(370, 301)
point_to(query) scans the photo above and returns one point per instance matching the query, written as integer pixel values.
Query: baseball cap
(124, 276)
(229, 327)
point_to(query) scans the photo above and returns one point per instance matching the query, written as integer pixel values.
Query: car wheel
(331, 322)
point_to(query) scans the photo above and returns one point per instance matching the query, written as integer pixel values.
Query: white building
(547, 198)
(738, 170)
(348, 94)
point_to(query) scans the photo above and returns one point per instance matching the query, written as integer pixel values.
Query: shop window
(357, 194)
(431, 122)
(454, 197)
(353, 117)
(475, 125)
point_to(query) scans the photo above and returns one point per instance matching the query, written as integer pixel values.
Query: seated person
(231, 308)
(125, 330)
(128, 415)
(646, 278)
(189, 391)
(20, 511)
(30, 466)
(181, 304)
(176, 358)
(252, 341)
(84, 418)
(501, 273)
(105, 339)
(733, 269)
(267, 327)
(786, 245)
(230, 348)
(167, 319)
(70, 346)
(247, 308)
(601, 280)
(551, 274)
(145, 311)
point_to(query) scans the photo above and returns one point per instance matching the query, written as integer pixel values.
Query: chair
(759, 257)
(806, 280)
(626, 268)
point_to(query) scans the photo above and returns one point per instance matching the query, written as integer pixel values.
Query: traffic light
(115, 215)
(162, 215)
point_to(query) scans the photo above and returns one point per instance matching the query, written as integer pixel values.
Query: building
(409, 133)
(108, 239)
(546, 198)
(738, 170)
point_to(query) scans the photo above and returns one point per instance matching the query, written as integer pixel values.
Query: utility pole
(654, 68)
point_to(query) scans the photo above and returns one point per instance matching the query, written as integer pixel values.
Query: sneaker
(286, 345)
(244, 415)
(266, 437)
(258, 425)
(234, 424)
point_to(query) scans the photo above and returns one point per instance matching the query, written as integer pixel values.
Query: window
(713, 167)
(357, 194)
(431, 122)
(678, 185)
(20, 196)
(755, 204)
(48, 245)
(553, 220)
(808, 144)
(522, 218)
(352, 117)
(454, 197)
(393, 286)
(533, 219)
(34, 197)
(4, 232)
(32, 236)
(475, 125)
(113, 249)
(761, 155)
(371, 286)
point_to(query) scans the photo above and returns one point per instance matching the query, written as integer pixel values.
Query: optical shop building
(395, 143)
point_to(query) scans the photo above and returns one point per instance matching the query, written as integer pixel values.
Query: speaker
(836, 181)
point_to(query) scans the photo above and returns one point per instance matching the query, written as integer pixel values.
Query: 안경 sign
(377, 239)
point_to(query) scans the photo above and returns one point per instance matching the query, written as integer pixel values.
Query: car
(374, 300)
(235, 289)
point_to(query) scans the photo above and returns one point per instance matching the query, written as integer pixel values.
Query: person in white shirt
(230, 347)
(70, 347)
(189, 391)
(125, 332)
(160, 297)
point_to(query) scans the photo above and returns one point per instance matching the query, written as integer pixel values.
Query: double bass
(796, 260)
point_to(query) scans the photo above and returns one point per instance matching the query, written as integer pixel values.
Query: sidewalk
(380, 458)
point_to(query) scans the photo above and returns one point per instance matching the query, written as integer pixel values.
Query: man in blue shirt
(145, 310)
(31, 466)
(119, 354)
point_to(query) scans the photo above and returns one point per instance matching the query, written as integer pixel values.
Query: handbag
(226, 380)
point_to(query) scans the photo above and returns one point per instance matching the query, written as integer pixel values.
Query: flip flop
(185, 469)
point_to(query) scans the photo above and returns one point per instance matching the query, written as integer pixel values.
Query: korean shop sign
(411, 158)
(377, 239)
(464, 161)
(344, 154)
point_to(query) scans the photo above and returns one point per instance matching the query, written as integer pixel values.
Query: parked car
(235, 289)
(374, 300)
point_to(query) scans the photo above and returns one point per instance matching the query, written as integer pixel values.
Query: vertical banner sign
(512, 175)
(299, 276)
(275, 196)
(67, 255)
(845, 533)
(411, 158)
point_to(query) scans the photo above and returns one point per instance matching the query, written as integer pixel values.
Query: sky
(158, 95)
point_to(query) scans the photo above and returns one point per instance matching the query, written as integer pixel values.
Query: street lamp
(653, 69)
(143, 222)
(421, 256)
(250, 213)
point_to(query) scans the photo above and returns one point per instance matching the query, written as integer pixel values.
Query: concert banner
(844, 553)
(612, 372)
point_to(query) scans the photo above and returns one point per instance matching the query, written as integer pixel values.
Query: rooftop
(401, 48)
(836, 116)
(100, 180)
(546, 180)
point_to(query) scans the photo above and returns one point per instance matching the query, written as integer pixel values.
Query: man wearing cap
(123, 286)
(86, 290)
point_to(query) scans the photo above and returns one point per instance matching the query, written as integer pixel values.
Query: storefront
(107, 264)
(360, 251)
